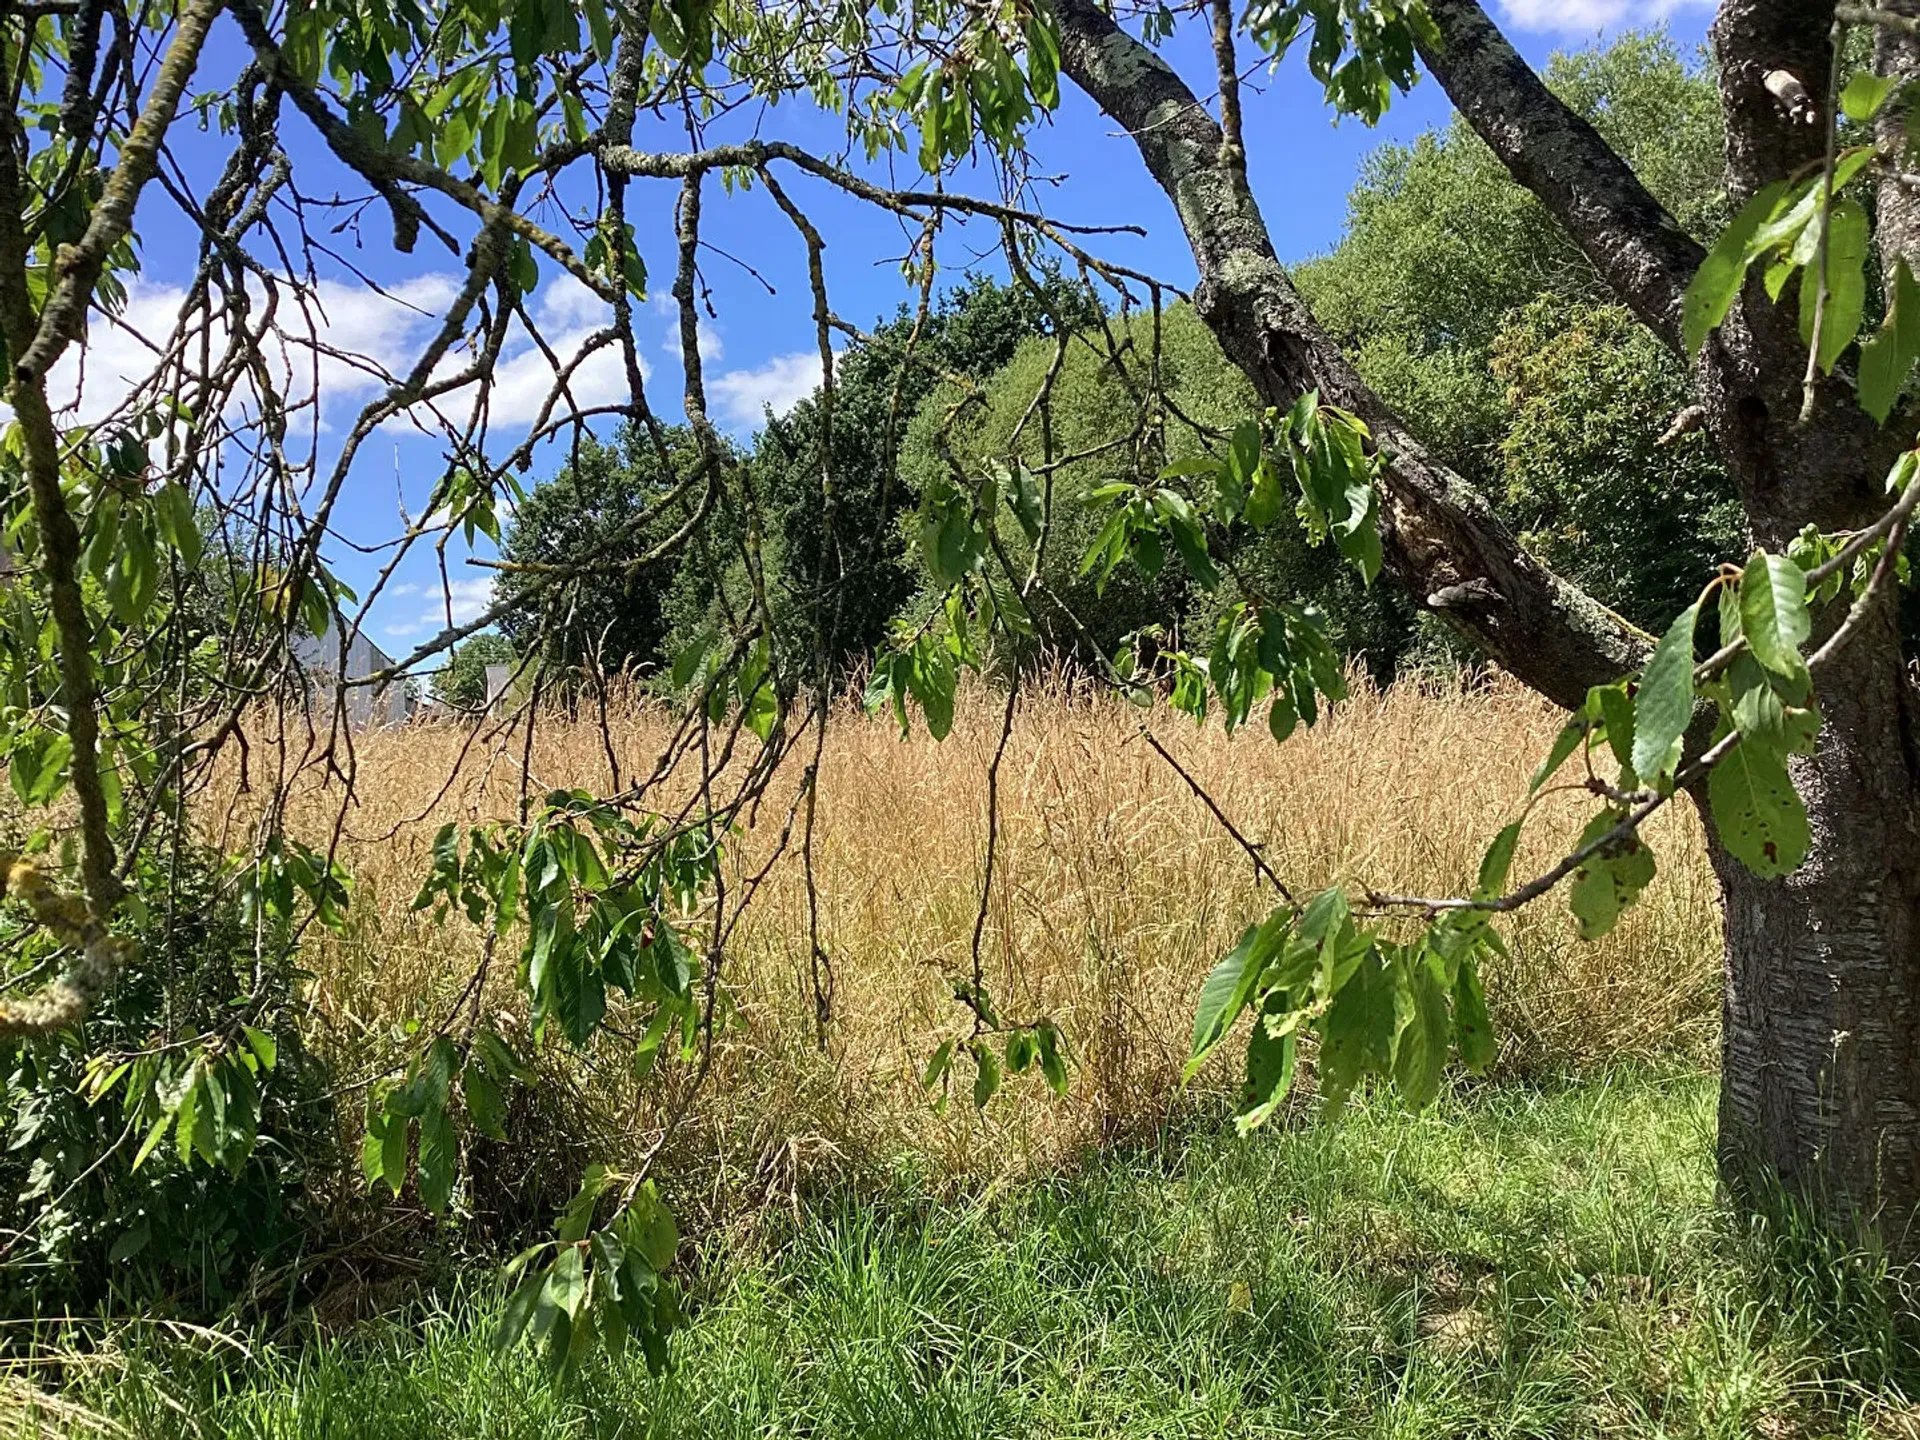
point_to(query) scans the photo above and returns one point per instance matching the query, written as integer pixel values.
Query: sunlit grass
(1522, 1261)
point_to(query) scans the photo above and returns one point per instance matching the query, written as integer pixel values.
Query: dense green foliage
(1092, 416)
(971, 329)
(1538, 1263)
(105, 1224)
(639, 619)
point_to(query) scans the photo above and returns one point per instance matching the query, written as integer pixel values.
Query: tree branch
(1638, 248)
(1438, 531)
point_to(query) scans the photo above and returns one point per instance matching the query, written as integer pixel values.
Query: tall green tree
(971, 329)
(613, 616)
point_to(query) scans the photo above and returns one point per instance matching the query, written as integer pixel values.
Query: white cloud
(743, 397)
(1588, 16)
(348, 342)
(465, 600)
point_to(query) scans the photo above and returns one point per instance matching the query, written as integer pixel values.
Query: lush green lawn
(1515, 1263)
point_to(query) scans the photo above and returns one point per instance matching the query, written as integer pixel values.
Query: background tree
(614, 617)
(1094, 414)
(970, 330)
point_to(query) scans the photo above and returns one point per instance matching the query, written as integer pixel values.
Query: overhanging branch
(1437, 530)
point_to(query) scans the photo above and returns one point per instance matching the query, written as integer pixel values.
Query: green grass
(1518, 1262)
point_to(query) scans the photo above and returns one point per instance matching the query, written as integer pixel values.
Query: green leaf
(1025, 498)
(1616, 709)
(1473, 1028)
(1265, 497)
(1356, 1036)
(486, 1105)
(600, 27)
(1864, 94)
(1229, 987)
(1609, 880)
(1497, 863)
(373, 1147)
(439, 1159)
(1053, 1064)
(393, 1152)
(1849, 237)
(1420, 1053)
(651, 1229)
(986, 1077)
(1235, 478)
(263, 1046)
(1887, 357)
(525, 1299)
(1564, 744)
(1270, 1065)
(938, 1066)
(1773, 613)
(1757, 812)
(1711, 292)
(1282, 717)
(566, 1287)
(1663, 705)
(130, 1242)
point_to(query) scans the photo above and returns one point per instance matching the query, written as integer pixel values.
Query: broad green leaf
(1053, 1064)
(1564, 744)
(986, 1075)
(651, 1229)
(373, 1148)
(1022, 1050)
(1270, 1065)
(1473, 1029)
(1609, 880)
(1773, 613)
(1757, 812)
(1282, 717)
(1229, 987)
(1887, 357)
(486, 1106)
(1711, 292)
(1420, 1053)
(1616, 708)
(439, 1159)
(265, 1049)
(1864, 93)
(938, 1066)
(393, 1152)
(1849, 237)
(1663, 705)
(1026, 499)
(1497, 863)
(567, 1280)
(519, 1310)
(1356, 1035)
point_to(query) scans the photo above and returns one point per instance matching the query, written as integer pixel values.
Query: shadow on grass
(1521, 1261)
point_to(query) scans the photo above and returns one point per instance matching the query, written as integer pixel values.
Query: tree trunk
(1820, 1072)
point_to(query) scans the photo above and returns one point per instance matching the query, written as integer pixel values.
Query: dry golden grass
(1117, 891)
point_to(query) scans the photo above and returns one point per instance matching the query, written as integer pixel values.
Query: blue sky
(760, 349)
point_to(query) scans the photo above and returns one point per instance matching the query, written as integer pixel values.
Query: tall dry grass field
(1116, 892)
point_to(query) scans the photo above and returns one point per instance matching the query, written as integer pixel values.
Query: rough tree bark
(1821, 1045)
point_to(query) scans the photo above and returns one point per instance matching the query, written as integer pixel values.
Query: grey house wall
(392, 705)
